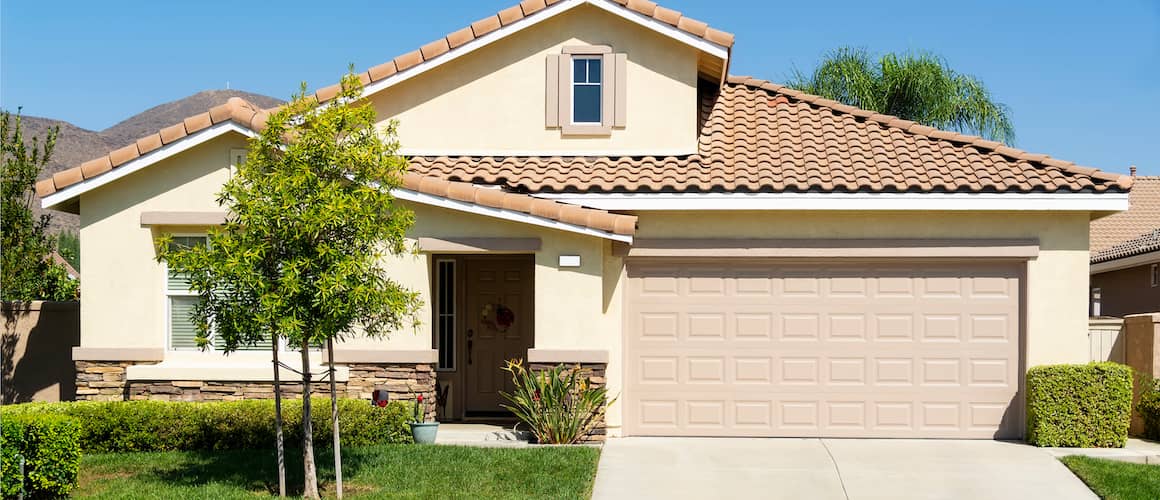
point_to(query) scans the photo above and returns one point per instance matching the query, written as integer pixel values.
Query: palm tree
(920, 87)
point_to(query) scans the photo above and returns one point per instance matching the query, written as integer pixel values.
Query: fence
(1106, 339)
(36, 351)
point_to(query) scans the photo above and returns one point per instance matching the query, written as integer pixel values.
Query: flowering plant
(420, 414)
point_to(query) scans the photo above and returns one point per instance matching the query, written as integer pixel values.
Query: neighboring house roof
(757, 136)
(1142, 244)
(590, 218)
(56, 258)
(1142, 217)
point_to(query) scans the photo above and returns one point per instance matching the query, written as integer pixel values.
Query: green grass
(393, 471)
(1114, 480)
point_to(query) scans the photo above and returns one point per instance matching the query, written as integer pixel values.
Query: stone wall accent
(595, 373)
(105, 381)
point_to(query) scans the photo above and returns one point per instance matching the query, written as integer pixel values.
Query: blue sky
(1082, 78)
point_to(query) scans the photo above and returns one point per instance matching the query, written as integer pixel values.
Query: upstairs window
(586, 90)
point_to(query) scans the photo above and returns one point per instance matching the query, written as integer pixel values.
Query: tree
(918, 87)
(300, 257)
(27, 272)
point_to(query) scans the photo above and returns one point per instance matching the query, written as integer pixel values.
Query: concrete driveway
(830, 469)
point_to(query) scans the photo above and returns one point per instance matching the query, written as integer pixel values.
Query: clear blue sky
(1083, 78)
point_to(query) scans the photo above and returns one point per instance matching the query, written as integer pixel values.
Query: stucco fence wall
(36, 350)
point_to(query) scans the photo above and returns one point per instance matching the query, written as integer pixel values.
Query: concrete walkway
(830, 469)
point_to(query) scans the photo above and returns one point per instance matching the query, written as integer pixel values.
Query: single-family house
(1125, 260)
(591, 186)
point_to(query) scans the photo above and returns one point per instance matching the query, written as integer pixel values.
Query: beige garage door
(726, 348)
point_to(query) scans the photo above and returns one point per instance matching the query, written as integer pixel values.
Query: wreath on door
(497, 317)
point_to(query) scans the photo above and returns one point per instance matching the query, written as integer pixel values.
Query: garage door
(727, 348)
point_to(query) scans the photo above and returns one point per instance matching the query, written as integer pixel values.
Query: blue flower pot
(424, 432)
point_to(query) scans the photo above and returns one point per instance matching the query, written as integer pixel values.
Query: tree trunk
(278, 421)
(334, 422)
(310, 486)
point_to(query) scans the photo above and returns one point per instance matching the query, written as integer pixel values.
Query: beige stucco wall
(492, 100)
(122, 283)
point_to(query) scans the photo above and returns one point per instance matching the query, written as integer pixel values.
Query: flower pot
(424, 432)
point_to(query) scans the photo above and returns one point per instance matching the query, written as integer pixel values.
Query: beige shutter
(608, 93)
(621, 89)
(552, 92)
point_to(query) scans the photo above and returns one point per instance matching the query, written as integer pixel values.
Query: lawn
(395, 471)
(1114, 480)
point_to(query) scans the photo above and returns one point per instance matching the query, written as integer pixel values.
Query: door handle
(470, 343)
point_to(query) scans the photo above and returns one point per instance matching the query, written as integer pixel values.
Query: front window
(181, 300)
(586, 91)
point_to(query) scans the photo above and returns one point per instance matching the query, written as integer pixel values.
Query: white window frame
(573, 84)
(441, 315)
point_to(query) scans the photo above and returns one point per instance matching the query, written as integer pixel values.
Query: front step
(481, 435)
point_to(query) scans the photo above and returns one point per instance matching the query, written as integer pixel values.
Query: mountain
(75, 145)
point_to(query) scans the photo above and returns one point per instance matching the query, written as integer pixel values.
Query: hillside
(75, 145)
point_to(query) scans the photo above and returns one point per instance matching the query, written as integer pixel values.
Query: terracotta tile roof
(1143, 216)
(1149, 242)
(237, 110)
(526, 8)
(497, 198)
(760, 137)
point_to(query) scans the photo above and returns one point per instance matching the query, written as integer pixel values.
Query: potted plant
(421, 430)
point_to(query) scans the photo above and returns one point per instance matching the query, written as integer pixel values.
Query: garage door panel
(844, 351)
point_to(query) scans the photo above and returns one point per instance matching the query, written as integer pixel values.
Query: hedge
(116, 426)
(50, 445)
(1149, 408)
(1082, 406)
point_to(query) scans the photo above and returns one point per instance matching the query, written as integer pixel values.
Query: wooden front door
(499, 325)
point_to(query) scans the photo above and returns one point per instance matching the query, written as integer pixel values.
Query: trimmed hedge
(1149, 408)
(50, 445)
(116, 426)
(1081, 406)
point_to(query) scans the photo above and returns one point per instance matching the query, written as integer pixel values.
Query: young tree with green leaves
(27, 272)
(301, 255)
(919, 87)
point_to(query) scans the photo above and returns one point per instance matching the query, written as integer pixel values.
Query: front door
(499, 326)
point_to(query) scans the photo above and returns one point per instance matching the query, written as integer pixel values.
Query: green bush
(1082, 406)
(558, 405)
(50, 445)
(1149, 408)
(115, 426)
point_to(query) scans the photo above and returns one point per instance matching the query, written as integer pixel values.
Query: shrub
(115, 426)
(1079, 405)
(558, 406)
(1149, 408)
(50, 445)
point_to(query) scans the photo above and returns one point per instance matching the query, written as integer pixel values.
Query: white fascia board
(499, 213)
(549, 12)
(848, 201)
(166, 151)
(1126, 262)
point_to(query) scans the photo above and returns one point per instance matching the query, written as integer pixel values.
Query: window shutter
(621, 89)
(182, 331)
(552, 92)
(608, 104)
